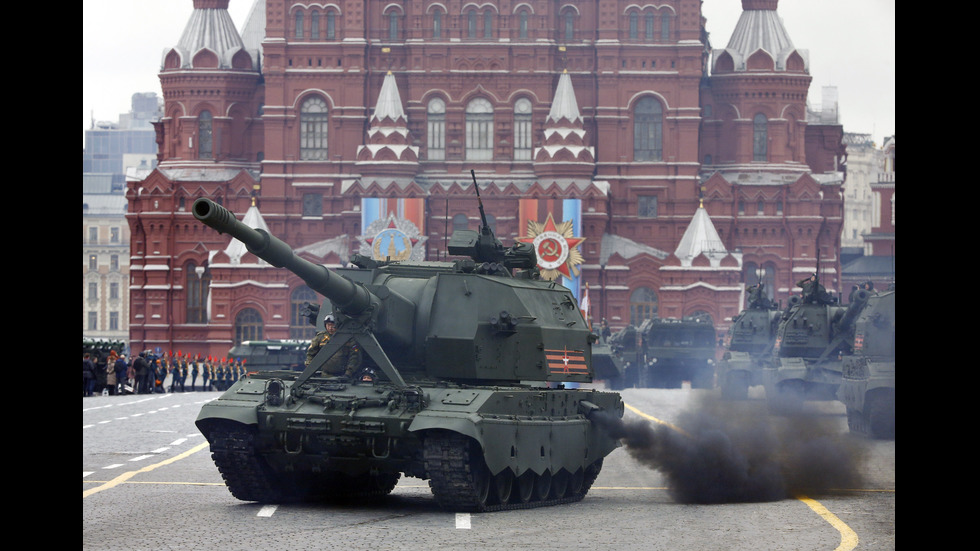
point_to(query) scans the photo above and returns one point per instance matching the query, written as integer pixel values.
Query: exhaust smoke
(732, 452)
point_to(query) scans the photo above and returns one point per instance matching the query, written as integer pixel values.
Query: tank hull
(477, 445)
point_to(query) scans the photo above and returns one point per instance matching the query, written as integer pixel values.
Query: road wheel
(525, 486)
(503, 484)
(559, 484)
(542, 485)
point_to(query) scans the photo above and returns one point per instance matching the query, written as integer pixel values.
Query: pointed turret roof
(760, 28)
(210, 28)
(564, 105)
(389, 104)
(236, 249)
(388, 156)
(701, 237)
(564, 153)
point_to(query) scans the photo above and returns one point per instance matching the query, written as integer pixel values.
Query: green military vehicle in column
(815, 332)
(462, 352)
(678, 350)
(748, 345)
(867, 386)
(265, 355)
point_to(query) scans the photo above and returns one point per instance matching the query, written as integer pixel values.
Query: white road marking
(86, 473)
(113, 466)
(267, 511)
(463, 521)
(178, 441)
(140, 458)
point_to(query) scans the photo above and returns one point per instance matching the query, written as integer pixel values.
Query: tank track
(454, 465)
(250, 479)
(233, 451)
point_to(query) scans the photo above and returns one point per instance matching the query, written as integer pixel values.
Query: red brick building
(682, 173)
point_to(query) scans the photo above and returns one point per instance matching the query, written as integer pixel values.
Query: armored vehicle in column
(678, 350)
(867, 386)
(461, 353)
(748, 346)
(815, 332)
(264, 355)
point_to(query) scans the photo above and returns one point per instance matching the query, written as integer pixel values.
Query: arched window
(437, 23)
(197, 282)
(393, 26)
(204, 136)
(299, 24)
(665, 27)
(331, 25)
(479, 130)
(569, 20)
(461, 222)
(299, 325)
(634, 25)
(315, 25)
(488, 24)
(522, 130)
(248, 326)
(648, 20)
(643, 305)
(313, 130)
(522, 24)
(471, 24)
(436, 115)
(760, 139)
(648, 130)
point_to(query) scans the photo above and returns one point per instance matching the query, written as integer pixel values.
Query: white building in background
(864, 162)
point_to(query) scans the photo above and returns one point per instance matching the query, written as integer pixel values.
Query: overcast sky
(851, 45)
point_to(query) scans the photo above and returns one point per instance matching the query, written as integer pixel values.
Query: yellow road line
(126, 476)
(655, 420)
(848, 538)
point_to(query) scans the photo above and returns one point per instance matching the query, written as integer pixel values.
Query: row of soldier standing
(147, 373)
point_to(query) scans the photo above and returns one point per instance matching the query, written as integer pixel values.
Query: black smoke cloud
(734, 452)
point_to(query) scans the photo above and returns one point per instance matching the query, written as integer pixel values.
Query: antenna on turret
(485, 228)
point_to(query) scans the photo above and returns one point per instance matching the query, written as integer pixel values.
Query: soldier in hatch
(346, 361)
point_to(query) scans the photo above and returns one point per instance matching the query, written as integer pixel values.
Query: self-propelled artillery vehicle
(464, 352)
(867, 386)
(748, 346)
(814, 334)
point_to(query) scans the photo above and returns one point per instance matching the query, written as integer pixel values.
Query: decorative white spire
(564, 105)
(389, 104)
(700, 237)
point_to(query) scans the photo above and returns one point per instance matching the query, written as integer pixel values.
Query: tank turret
(471, 355)
(469, 319)
(813, 336)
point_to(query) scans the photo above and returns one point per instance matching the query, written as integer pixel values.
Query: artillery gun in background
(867, 386)
(815, 332)
(464, 352)
(678, 350)
(748, 346)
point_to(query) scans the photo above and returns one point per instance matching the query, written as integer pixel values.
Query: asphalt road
(148, 482)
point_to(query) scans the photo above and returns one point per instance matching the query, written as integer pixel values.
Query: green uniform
(345, 362)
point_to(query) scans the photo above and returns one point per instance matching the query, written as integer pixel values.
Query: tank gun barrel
(352, 299)
(858, 301)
